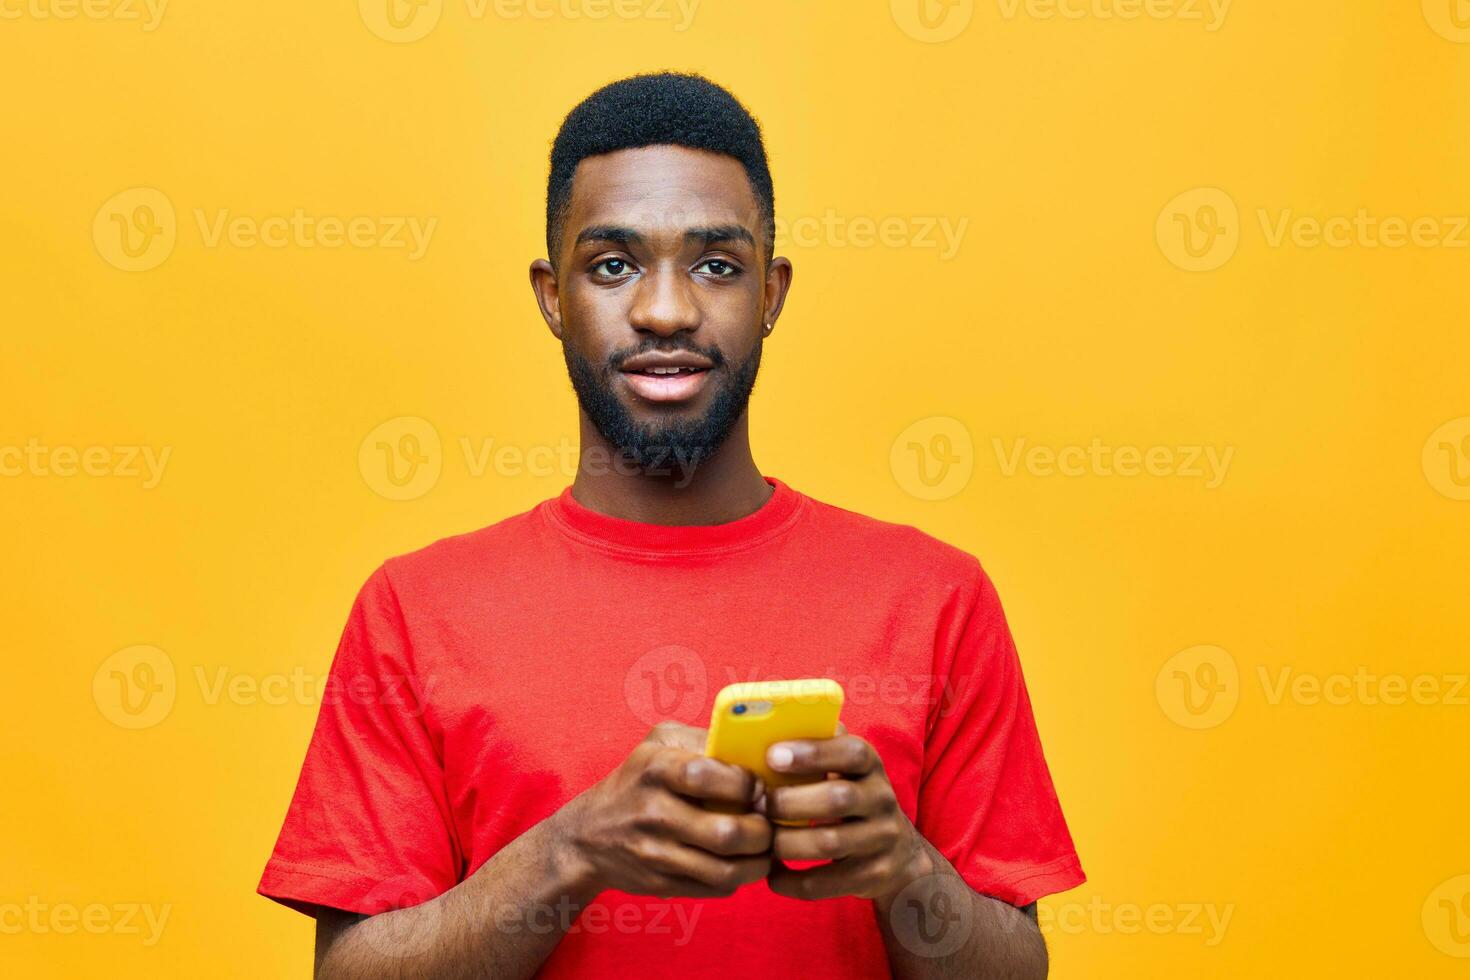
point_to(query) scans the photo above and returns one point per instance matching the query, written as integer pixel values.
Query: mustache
(667, 345)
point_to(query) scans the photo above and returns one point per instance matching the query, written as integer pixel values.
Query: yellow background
(1332, 543)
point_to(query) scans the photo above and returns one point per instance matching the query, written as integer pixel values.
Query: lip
(673, 358)
(667, 387)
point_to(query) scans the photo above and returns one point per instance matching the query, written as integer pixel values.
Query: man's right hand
(642, 829)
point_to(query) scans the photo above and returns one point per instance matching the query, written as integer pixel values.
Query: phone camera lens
(739, 709)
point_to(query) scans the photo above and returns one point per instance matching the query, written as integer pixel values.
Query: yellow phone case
(749, 718)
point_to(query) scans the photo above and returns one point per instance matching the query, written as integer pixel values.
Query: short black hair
(664, 108)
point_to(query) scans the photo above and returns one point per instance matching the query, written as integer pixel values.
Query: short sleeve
(986, 799)
(369, 826)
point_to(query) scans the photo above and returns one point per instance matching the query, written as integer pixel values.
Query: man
(487, 794)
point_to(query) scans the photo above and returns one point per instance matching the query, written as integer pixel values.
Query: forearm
(943, 928)
(502, 921)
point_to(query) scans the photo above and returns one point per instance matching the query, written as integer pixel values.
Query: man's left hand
(874, 849)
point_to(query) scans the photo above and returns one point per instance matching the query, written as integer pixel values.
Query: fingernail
(780, 757)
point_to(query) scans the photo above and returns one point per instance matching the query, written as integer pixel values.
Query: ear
(548, 295)
(778, 283)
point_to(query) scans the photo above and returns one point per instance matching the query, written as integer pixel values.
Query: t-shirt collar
(655, 540)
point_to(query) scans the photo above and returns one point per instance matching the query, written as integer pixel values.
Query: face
(661, 298)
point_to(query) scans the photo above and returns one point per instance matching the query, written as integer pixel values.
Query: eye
(612, 267)
(719, 268)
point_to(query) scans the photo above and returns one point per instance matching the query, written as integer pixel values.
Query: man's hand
(875, 851)
(642, 829)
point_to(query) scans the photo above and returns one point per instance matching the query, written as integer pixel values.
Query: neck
(723, 488)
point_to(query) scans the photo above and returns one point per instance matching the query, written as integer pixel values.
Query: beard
(652, 446)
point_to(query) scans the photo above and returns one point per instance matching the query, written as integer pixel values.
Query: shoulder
(459, 558)
(903, 548)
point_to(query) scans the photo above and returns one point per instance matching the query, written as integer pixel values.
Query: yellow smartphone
(749, 718)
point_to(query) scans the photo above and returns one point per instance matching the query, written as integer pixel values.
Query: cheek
(592, 322)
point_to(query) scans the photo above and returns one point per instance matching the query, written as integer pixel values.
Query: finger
(723, 875)
(846, 754)
(679, 736)
(830, 799)
(725, 834)
(668, 886)
(848, 877)
(701, 778)
(859, 838)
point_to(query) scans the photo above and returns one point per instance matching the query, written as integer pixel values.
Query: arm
(638, 831)
(933, 924)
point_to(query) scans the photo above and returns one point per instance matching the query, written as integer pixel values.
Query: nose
(664, 303)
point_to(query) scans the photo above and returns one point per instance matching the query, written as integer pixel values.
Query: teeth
(664, 370)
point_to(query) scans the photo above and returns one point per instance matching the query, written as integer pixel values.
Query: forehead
(661, 187)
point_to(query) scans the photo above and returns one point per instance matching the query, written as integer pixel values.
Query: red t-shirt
(485, 680)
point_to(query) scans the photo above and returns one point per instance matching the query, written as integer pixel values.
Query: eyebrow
(708, 235)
